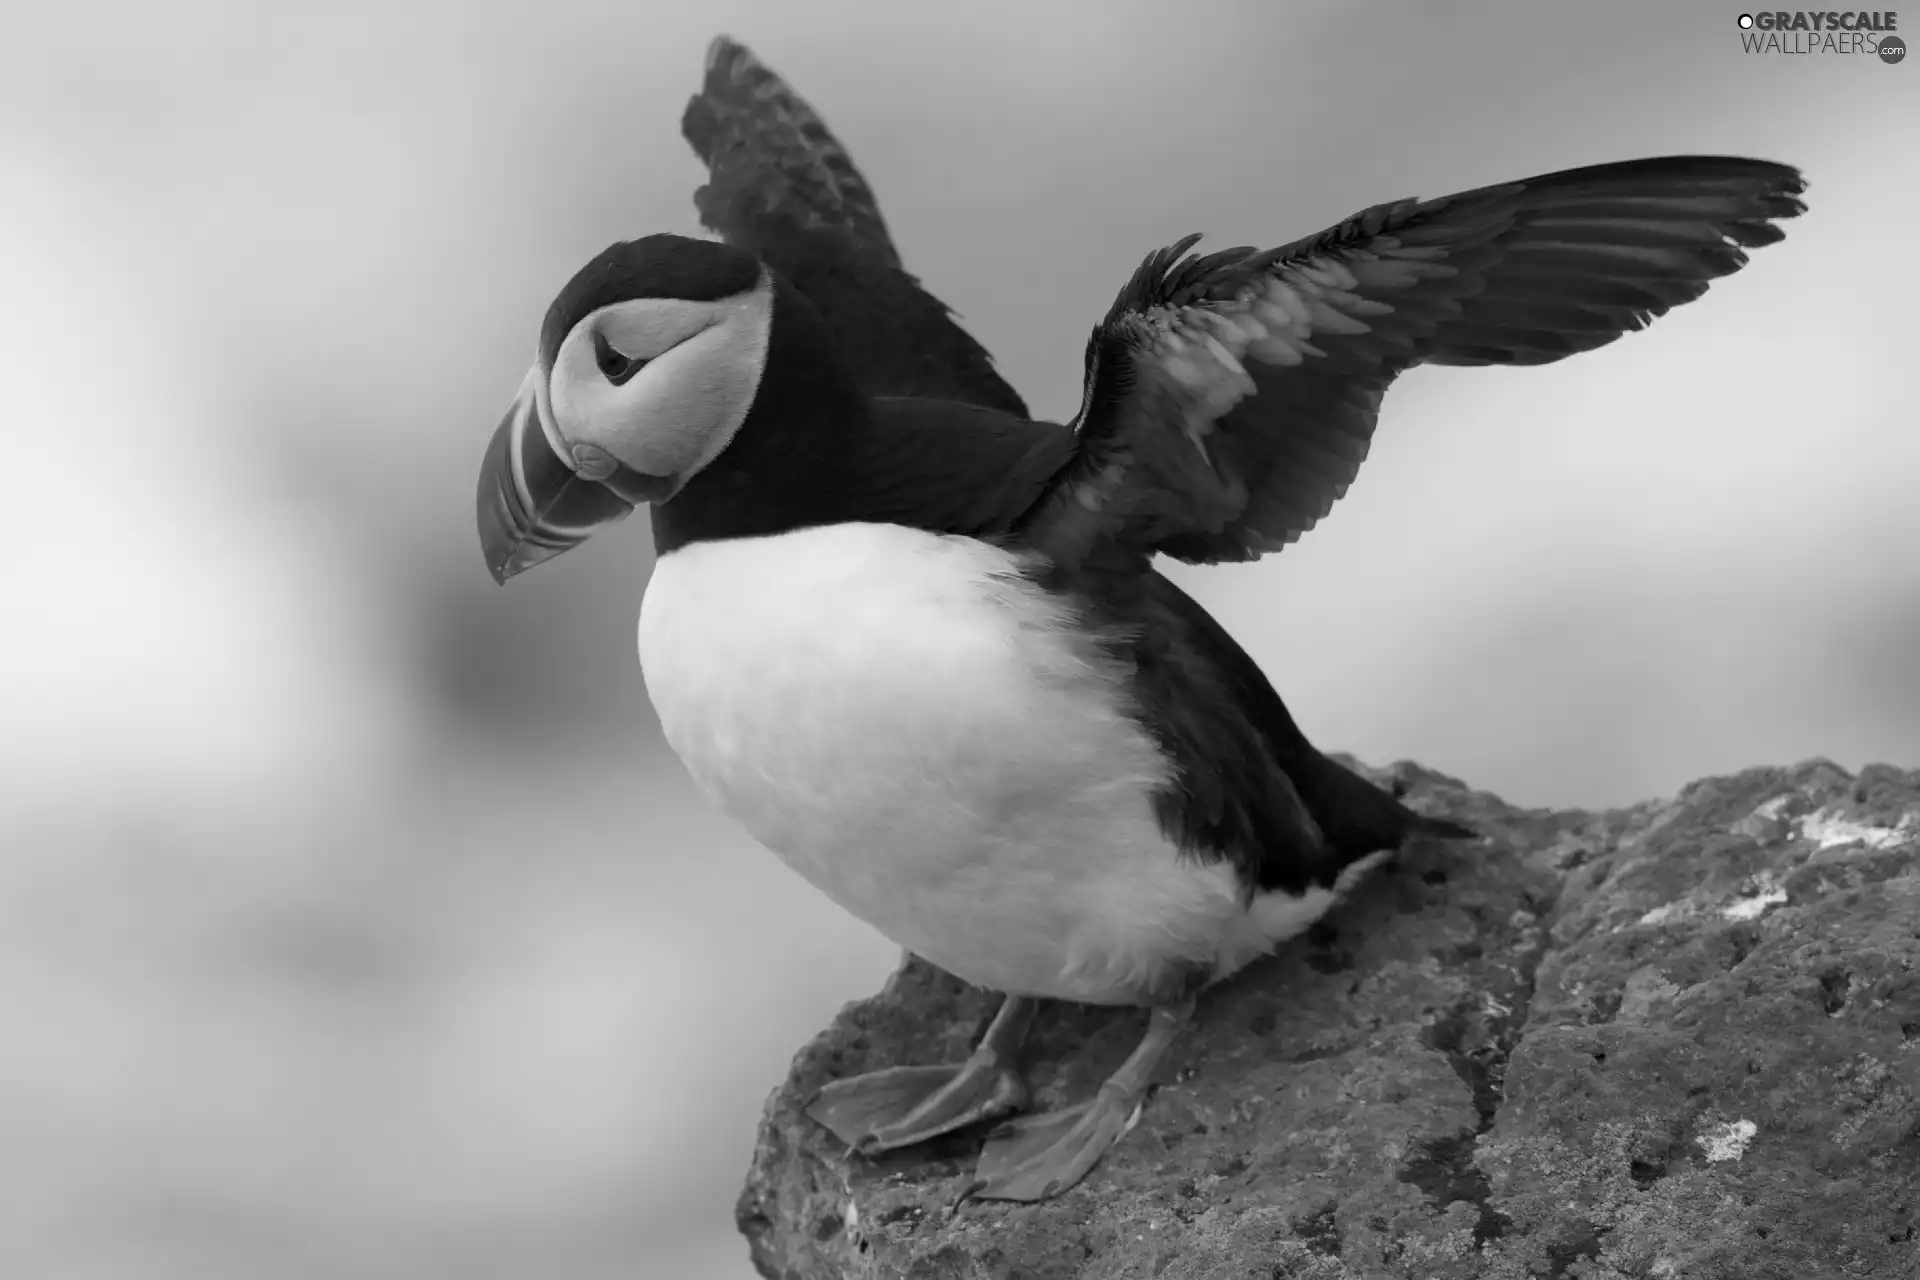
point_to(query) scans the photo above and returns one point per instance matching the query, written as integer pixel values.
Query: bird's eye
(614, 367)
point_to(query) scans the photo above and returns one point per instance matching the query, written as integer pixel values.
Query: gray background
(355, 922)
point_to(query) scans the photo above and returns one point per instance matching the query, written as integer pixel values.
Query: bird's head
(648, 365)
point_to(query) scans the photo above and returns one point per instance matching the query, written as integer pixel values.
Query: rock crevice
(1680, 1039)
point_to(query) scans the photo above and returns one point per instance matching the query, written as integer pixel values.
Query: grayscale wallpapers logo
(1801, 32)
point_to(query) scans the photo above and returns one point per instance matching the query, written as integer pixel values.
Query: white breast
(928, 738)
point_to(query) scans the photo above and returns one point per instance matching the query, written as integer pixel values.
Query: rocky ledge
(1676, 1040)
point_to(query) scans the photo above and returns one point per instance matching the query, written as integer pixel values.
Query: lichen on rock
(1680, 1039)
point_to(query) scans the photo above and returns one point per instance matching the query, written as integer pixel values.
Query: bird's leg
(1035, 1157)
(900, 1105)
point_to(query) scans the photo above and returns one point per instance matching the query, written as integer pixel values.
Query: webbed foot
(1036, 1157)
(899, 1106)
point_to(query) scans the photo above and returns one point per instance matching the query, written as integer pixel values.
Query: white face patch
(675, 413)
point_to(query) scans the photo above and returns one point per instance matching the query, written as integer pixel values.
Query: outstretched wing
(1231, 398)
(782, 187)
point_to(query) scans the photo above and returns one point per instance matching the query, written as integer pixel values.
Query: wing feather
(1232, 396)
(782, 187)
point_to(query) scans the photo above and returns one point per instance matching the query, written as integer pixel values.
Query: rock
(1676, 1040)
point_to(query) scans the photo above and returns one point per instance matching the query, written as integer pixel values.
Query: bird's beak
(532, 505)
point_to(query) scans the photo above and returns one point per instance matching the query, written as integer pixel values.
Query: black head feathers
(660, 266)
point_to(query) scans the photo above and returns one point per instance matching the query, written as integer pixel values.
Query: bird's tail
(1445, 828)
(1357, 818)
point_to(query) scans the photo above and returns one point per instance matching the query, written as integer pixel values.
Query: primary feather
(1231, 397)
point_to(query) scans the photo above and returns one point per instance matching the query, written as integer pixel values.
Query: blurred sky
(355, 922)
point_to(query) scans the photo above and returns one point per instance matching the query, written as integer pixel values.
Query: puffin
(915, 641)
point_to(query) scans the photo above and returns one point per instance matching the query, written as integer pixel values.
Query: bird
(917, 642)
